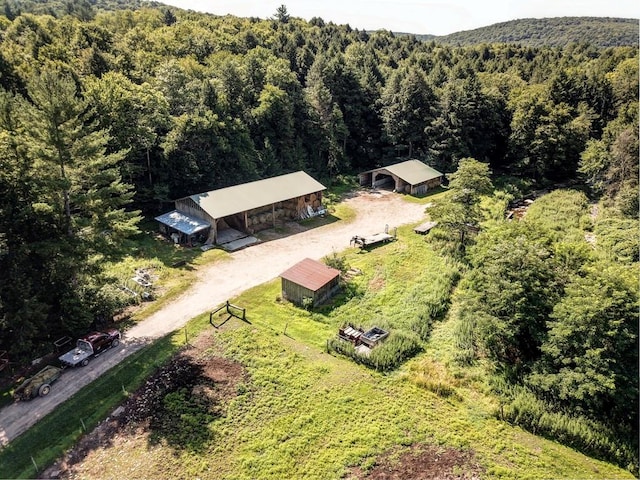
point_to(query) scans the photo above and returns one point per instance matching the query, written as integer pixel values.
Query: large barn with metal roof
(412, 177)
(229, 214)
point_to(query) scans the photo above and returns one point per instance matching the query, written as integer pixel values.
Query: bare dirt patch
(182, 396)
(424, 462)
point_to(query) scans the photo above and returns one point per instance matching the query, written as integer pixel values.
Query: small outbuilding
(412, 176)
(310, 279)
(182, 228)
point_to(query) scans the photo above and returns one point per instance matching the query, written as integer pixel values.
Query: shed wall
(327, 291)
(295, 293)
(191, 208)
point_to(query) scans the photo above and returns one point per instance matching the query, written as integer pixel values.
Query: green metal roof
(240, 198)
(412, 171)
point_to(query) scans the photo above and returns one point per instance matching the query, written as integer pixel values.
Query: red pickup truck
(90, 345)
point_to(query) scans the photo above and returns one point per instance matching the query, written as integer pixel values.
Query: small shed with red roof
(309, 279)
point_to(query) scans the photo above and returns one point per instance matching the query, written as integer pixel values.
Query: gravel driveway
(217, 283)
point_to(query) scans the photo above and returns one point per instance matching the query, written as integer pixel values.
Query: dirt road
(220, 282)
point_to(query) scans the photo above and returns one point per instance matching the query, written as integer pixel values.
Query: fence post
(34, 463)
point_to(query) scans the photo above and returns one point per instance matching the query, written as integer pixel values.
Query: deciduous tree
(590, 357)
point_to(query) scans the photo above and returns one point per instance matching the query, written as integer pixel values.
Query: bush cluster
(389, 355)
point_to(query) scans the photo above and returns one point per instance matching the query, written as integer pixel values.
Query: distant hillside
(535, 32)
(82, 9)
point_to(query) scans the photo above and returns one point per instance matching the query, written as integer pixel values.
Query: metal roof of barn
(413, 172)
(183, 222)
(310, 274)
(247, 196)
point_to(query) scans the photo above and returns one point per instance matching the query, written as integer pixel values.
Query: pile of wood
(306, 208)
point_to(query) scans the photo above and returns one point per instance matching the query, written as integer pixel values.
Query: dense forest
(108, 114)
(538, 32)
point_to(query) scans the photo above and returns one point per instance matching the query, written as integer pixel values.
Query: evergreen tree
(408, 106)
(81, 198)
(458, 213)
(80, 183)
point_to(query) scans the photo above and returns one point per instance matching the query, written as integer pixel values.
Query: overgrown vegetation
(594, 438)
(557, 316)
(298, 399)
(387, 356)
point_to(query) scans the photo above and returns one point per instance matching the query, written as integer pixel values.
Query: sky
(417, 16)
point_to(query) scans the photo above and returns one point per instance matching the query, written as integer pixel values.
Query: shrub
(307, 303)
(336, 261)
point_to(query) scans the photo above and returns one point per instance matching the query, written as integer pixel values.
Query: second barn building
(412, 176)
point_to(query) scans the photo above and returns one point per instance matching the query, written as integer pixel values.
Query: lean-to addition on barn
(248, 208)
(412, 176)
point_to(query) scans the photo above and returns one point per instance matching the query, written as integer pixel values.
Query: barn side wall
(191, 208)
(257, 219)
(326, 292)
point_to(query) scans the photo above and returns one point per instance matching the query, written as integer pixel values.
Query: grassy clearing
(305, 413)
(308, 414)
(430, 196)
(404, 286)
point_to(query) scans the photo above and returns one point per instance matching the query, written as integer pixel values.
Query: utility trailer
(371, 240)
(38, 385)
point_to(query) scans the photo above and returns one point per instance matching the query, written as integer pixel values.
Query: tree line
(107, 115)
